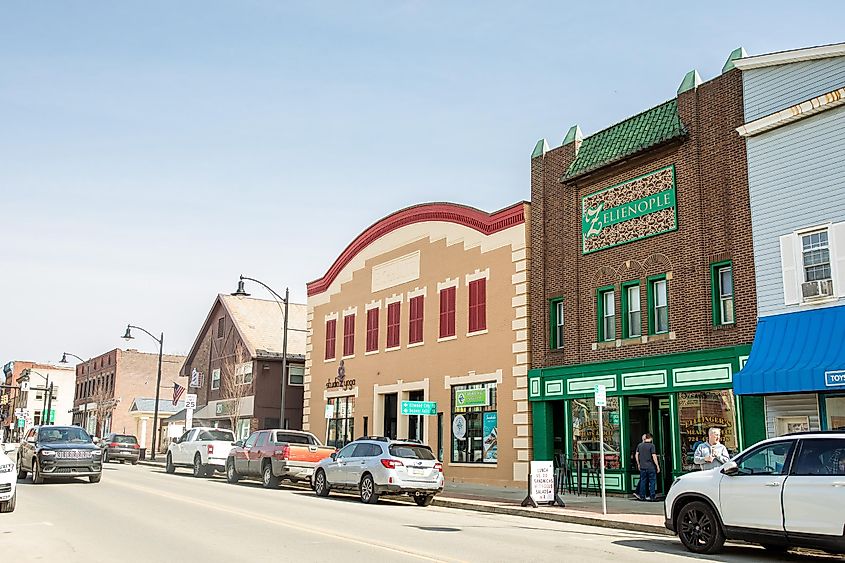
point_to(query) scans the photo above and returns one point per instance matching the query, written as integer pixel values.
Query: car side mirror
(334, 456)
(730, 468)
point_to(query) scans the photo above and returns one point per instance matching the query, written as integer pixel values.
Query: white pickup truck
(203, 449)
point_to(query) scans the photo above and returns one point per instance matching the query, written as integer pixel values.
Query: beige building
(420, 330)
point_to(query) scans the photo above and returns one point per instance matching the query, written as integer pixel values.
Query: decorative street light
(128, 336)
(66, 354)
(241, 292)
(85, 407)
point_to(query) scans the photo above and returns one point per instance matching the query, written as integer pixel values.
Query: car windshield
(56, 434)
(411, 451)
(121, 439)
(220, 435)
(287, 438)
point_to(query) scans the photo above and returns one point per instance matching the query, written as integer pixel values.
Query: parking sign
(601, 395)
(190, 401)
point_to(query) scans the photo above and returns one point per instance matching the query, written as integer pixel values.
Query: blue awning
(796, 352)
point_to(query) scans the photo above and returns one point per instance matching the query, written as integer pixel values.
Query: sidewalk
(623, 513)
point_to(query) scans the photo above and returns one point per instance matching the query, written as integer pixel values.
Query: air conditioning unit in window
(819, 289)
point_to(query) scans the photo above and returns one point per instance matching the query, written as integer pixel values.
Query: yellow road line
(286, 523)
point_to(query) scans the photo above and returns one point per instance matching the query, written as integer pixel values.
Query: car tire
(168, 465)
(37, 477)
(199, 468)
(95, 478)
(134, 462)
(21, 472)
(321, 484)
(367, 490)
(232, 475)
(105, 456)
(423, 500)
(699, 528)
(269, 480)
(9, 505)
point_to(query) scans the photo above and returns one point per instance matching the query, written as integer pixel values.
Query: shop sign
(542, 481)
(339, 381)
(330, 410)
(472, 397)
(633, 210)
(424, 408)
(490, 443)
(459, 427)
(834, 378)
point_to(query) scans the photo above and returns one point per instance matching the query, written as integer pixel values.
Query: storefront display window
(585, 432)
(698, 412)
(474, 423)
(835, 408)
(341, 423)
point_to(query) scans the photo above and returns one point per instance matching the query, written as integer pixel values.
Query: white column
(144, 420)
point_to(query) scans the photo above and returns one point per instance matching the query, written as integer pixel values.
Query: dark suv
(120, 447)
(59, 451)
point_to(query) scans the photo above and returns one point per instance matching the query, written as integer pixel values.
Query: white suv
(781, 493)
(8, 480)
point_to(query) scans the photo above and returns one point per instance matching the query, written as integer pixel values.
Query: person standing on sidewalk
(649, 467)
(712, 453)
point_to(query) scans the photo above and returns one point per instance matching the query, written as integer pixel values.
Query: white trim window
(725, 287)
(813, 264)
(296, 375)
(661, 307)
(815, 256)
(635, 315)
(215, 379)
(608, 312)
(243, 373)
(559, 325)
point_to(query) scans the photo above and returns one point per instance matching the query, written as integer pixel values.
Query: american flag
(178, 391)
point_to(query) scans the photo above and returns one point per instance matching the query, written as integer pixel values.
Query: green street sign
(425, 408)
(21, 423)
(472, 398)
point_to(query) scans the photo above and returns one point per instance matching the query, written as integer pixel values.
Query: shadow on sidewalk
(736, 552)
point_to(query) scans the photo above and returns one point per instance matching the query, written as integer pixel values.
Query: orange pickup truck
(273, 455)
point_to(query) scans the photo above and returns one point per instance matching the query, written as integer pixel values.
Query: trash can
(143, 454)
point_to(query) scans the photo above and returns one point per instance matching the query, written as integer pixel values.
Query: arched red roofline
(481, 221)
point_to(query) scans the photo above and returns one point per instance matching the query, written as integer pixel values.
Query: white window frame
(826, 246)
(559, 325)
(608, 336)
(656, 285)
(215, 377)
(297, 366)
(725, 298)
(631, 303)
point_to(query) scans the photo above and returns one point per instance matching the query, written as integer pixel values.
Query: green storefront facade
(675, 397)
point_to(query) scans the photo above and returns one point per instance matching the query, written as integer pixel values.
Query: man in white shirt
(711, 453)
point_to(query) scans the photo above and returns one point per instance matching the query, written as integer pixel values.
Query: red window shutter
(349, 335)
(447, 312)
(393, 315)
(478, 305)
(415, 324)
(331, 335)
(372, 330)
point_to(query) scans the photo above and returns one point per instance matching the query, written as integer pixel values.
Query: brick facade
(714, 224)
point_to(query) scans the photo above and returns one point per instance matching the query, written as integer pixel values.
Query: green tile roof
(638, 133)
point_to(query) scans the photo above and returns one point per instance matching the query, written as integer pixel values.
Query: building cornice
(794, 56)
(794, 113)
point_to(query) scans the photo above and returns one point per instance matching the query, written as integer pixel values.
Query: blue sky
(152, 151)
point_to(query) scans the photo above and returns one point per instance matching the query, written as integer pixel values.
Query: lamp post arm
(74, 356)
(265, 286)
(159, 340)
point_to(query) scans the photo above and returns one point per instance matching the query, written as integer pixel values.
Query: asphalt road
(139, 513)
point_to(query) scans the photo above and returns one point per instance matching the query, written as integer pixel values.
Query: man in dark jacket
(649, 467)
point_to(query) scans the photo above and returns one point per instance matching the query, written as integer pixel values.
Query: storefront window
(698, 412)
(585, 432)
(835, 407)
(341, 423)
(474, 423)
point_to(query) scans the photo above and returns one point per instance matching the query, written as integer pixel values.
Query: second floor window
(659, 299)
(633, 312)
(393, 313)
(723, 293)
(815, 253)
(607, 316)
(416, 306)
(372, 329)
(331, 338)
(447, 312)
(215, 379)
(349, 335)
(478, 305)
(556, 314)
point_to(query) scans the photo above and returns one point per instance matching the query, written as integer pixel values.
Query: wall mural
(633, 210)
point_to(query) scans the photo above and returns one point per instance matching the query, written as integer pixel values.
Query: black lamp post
(241, 292)
(85, 409)
(128, 336)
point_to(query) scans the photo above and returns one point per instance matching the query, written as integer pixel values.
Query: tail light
(439, 467)
(113, 444)
(282, 454)
(210, 449)
(391, 463)
(136, 446)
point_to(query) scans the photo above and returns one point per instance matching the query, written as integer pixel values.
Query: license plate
(71, 455)
(415, 471)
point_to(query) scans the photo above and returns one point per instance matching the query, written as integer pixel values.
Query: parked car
(59, 451)
(8, 480)
(120, 447)
(203, 449)
(273, 455)
(783, 492)
(376, 466)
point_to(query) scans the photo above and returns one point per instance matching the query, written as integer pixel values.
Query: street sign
(18, 413)
(21, 423)
(190, 401)
(601, 395)
(425, 408)
(24, 386)
(472, 397)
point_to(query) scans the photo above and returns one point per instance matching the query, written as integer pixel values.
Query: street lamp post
(286, 299)
(128, 336)
(85, 407)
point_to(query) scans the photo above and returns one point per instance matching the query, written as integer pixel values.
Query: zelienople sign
(643, 207)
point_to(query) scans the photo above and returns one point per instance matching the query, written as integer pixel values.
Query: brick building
(38, 375)
(643, 281)
(236, 363)
(107, 386)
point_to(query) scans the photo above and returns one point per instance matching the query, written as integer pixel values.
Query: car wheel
(21, 471)
(232, 475)
(168, 466)
(9, 505)
(269, 480)
(95, 478)
(367, 489)
(321, 484)
(37, 477)
(699, 529)
(134, 462)
(106, 456)
(423, 500)
(199, 468)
